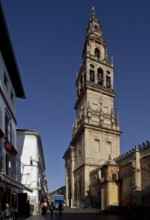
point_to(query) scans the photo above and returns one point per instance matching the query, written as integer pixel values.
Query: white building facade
(32, 170)
(10, 88)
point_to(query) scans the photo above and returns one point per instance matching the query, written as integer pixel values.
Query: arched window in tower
(108, 82)
(92, 75)
(100, 76)
(92, 66)
(96, 27)
(97, 53)
(108, 72)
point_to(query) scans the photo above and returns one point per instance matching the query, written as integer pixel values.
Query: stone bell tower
(96, 131)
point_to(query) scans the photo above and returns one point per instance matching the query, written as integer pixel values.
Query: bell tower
(96, 131)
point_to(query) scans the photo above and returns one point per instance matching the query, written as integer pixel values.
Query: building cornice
(9, 57)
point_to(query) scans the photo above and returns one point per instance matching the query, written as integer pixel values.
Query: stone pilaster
(137, 179)
(66, 184)
(72, 175)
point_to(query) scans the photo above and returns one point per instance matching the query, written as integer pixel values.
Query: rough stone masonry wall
(126, 177)
(126, 164)
(145, 176)
(94, 188)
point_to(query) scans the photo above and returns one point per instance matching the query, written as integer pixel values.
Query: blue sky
(48, 38)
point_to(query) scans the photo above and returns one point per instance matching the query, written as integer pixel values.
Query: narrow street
(81, 214)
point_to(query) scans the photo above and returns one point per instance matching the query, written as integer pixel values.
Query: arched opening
(97, 53)
(100, 76)
(92, 73)
(108, 82)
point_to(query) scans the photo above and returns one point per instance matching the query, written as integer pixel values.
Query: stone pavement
(82, 214)
(75, 214)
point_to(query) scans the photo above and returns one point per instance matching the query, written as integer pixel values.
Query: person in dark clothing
(51, 208)
(60, 208)
(44, 206)
(27, 209)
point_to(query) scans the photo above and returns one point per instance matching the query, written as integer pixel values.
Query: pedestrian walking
(51, 208)
(60, 208)
(8, 212)
(44, 206)
(27, 209)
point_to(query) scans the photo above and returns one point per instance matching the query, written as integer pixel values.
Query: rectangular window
(97, 146)
(80, 189)
(12, 97)
(114, 176)
(6, 126)
(5, 80)
(109, 150)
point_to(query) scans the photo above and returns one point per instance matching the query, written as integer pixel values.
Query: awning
(10, 147)
(12, 182)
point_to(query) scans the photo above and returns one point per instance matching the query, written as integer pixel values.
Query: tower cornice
(93, 127)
